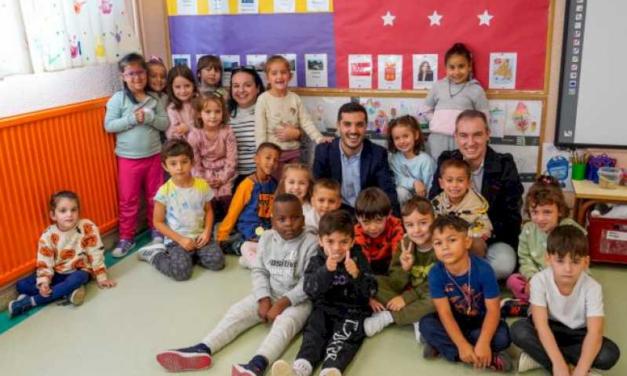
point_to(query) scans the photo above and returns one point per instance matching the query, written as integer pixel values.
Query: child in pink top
(181, 91)
(215, 149)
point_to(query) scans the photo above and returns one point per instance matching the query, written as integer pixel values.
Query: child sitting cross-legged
(184, 215)
(277, 297)
(326, 197)
(403, 295)
(459, 199)
(378, 231)
(564, 334)
(339, 282)
(466, 326)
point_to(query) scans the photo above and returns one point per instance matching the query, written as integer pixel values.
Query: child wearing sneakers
(466, 326)
(250, 208)
(326, 197)
(564, 334)
(277, 297)
(403, 296)
(339, 282)
(546, 207)
(69, 253)
(459, 199)
(184, 215)
(378, 232)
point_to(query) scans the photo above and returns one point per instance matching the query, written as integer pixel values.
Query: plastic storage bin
(610, 177)
(607, 239)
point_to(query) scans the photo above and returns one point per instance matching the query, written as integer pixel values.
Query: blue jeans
(62, 285)
(432, 330)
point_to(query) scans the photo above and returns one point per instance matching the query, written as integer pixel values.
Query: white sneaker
(122, 248)
(77, 297)
(377, 322)
(417, 332)
(281, 368)
(148, 253)
(302, 367)
(526, 363)
(330, 372)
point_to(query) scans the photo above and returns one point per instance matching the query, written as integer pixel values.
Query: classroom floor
(119, 331)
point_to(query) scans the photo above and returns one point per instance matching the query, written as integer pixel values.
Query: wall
(20, 94)
(153, 26)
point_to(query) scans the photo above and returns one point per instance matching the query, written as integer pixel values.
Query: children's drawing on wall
(324, 110)
(497, 119)
(515, 118)
(425, 70)
(503, 70)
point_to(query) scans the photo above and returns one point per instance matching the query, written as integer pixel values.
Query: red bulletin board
(432, 26)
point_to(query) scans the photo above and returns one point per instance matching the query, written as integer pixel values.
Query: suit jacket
(374, 168)
(501, 187)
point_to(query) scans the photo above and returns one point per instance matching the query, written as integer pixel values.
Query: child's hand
(182, 129)
(376, 305)
(561, 369)
(264, 306)
(527, 289)
(325, 140)
(420, 188)
(203, 239)
(139, 116)
(396, 304)
(277, 308)
(44, 290)
(188, 244)
(483, 354)
(287, 132)
(331, 263)
(467, 353)
(107, 283)
(351, 266)
(407, 258)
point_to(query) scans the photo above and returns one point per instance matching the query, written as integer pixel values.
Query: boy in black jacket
(340, 283)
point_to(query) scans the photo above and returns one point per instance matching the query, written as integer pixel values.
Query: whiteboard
(593, 89)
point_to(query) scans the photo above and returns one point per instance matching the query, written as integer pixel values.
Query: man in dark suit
(356, 162)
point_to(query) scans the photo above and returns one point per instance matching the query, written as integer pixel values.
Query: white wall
(20, 94)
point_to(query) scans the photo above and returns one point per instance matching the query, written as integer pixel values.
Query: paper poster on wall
(284, 6)
(248, 6)
(360, 71)
(187, 7)
(425, 70)
(182, 60)
(259, 62)
(229, 62)
(324, 110)
(316, 70)
(497, 118)
(503, 70)
(219, 7)
(382, 110)
(390, 72)
(292, 60)
(318, 6)
(515, 118)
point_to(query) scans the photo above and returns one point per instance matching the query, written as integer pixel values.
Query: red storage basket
(607, 238)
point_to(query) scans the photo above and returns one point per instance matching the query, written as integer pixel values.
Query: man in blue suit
(354, 160)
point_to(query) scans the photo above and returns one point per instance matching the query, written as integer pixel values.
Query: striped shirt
(243, 125)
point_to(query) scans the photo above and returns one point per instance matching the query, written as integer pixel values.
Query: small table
(588, 194)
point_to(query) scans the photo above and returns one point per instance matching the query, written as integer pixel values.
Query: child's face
(267, 160)
(279, 76)
(336, 244)
(211, 76)
(211, 115)
(450, 245)
(373, 227)
(297, 183)
(404, 138)
(156, 77)
(325, 200)
(458, 69)
(288, 219)
(567, 270)
(417, 227)
(546, 217)
(134, 76)
(65, 214)
(179, 167)
(243, 89)
(183, 88)
(455, 183)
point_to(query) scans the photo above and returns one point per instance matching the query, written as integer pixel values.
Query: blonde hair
(296, 167)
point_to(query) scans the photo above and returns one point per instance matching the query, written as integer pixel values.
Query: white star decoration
(388, 19)
(484, 18)
(435, 18)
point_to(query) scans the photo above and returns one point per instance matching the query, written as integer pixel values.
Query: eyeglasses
(133, 74)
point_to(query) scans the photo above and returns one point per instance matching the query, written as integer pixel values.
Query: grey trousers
(178, 263)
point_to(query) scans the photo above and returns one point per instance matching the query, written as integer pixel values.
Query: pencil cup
(579, 171)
